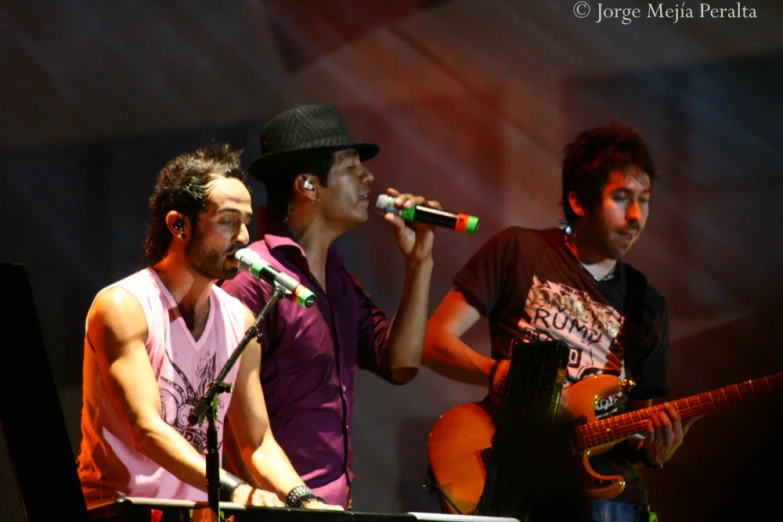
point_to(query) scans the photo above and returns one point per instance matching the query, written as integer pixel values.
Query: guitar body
(461, 439)
(457, 448)
(580, 399)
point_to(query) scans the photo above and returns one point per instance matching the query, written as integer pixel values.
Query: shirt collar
(276, 234)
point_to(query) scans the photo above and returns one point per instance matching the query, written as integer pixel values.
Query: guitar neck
(622, 426)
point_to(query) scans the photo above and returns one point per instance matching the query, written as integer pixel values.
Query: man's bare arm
(444, 351)
(117, 331)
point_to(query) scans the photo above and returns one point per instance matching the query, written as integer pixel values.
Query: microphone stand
(207, 404)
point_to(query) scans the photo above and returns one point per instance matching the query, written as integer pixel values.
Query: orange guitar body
(580, 399)
(455, 451)
(461, 439)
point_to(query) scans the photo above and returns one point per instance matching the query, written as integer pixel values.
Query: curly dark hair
(182, 186)
(592, 155)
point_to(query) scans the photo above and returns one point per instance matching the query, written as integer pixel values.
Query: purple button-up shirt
(310, 356)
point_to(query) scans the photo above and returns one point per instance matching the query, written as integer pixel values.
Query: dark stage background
(471, 102)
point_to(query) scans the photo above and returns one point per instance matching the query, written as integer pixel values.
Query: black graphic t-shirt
(528, 282)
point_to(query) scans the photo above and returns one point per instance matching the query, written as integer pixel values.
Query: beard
(617, 252)
(615, 248)
(604, 240)
(209, 263)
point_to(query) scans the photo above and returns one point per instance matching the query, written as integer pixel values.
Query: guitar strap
(632, 333)
(633, 339)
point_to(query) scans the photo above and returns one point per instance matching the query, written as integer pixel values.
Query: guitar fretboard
(622, 426)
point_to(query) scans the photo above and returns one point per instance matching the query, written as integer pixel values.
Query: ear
(178, 224)
(576, 206)
(305, 185)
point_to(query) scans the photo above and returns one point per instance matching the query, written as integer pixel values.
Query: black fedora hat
(301, 132)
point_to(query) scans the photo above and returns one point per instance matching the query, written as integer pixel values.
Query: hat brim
(269, 164)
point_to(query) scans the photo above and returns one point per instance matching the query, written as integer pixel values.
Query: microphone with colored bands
(250, 262)
(429, 215)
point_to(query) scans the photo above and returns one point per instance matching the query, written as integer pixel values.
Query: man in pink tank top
(155, 340)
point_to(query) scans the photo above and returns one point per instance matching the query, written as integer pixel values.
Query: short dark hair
(182, 186)
(280, 186)
(592, 155)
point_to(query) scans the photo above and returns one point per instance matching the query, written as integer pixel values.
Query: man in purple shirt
(317, 189)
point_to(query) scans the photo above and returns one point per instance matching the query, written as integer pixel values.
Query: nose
(366, 176)
(634, 213)
(244, 235)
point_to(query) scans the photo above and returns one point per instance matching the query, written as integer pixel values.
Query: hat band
(327, 142)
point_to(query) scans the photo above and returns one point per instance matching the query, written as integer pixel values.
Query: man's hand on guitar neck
(665, 431)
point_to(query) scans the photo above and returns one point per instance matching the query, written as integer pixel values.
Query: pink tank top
(108, 465)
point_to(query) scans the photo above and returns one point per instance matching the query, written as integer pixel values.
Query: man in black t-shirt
(569, 284)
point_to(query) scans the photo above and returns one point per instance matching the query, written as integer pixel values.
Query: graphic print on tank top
(560, 312)
(177, 400)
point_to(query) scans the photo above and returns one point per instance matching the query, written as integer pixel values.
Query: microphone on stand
(250, 262)
(428, 215)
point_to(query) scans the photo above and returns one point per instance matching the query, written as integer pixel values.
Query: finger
(665, 429)
(434, 204)
(243, 494)
(649, 437)
(408, 200)
(269, 499)
(256, 498)
(414, 201)
(392, 192)
(677, 432)
(401, 198)
(401, 226)
(655, 418)
(672, 411)
(395, 220)
(655, 433)
(676, 422)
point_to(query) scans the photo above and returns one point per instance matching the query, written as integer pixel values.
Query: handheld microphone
(250, 262)
(429, 215)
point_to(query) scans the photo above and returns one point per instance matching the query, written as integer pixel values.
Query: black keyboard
(135, 509)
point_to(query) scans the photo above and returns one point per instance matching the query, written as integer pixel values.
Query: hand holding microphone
(428, 215)
(250, 262)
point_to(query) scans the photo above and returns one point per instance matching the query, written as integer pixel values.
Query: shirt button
(344, 389)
